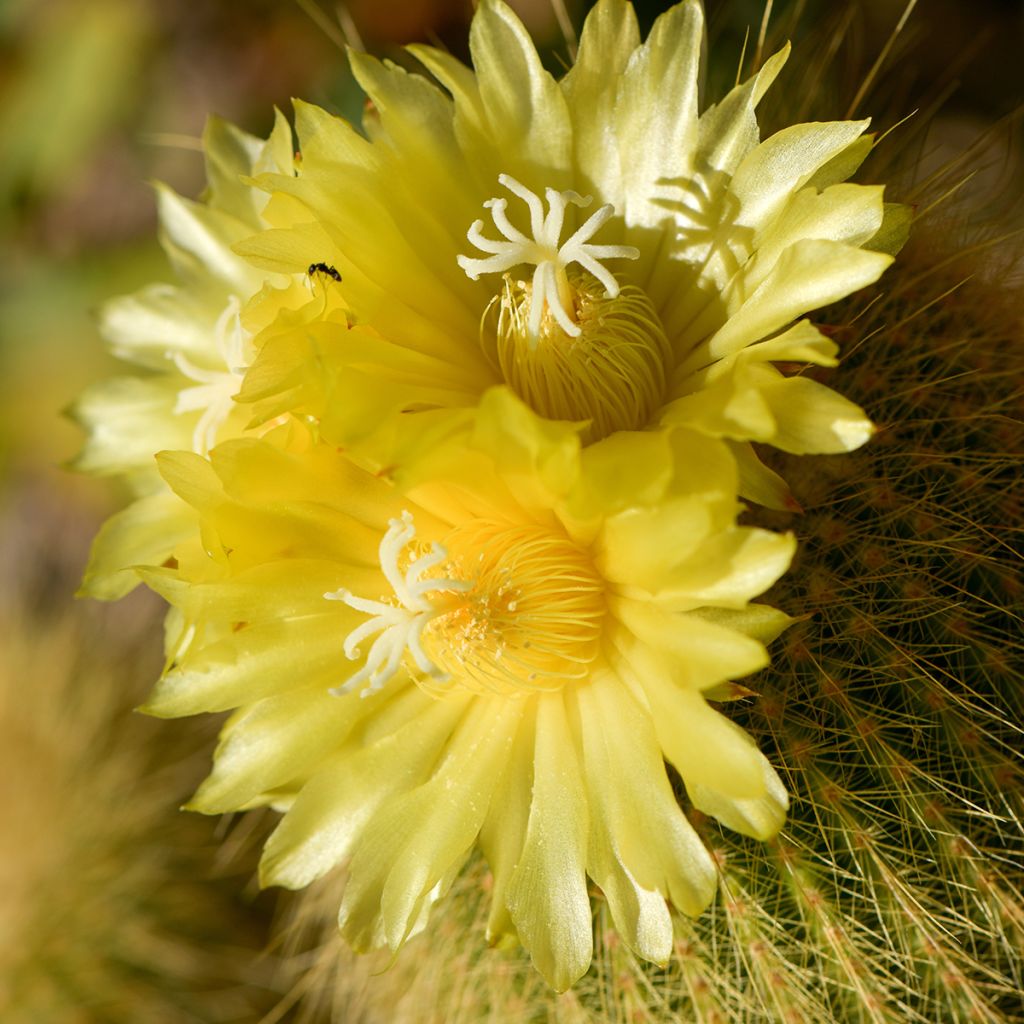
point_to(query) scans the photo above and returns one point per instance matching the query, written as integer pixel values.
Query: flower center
(613, 374)
(572, 342)
(501, 609)
(551, 291)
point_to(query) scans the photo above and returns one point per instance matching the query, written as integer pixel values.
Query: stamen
(551, 284)
(399, 626)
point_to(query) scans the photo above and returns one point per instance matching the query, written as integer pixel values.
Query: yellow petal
(525, 109)
(811, 418)
(729, 570)
(232, 154)
(144, 533)
(538, 458)
(728, 130)
(757, 482)
(198, 239)
(329, 814)
(504, 831)
(705, 747)
(894, 230)
(636, 822)
(261, 593)
(274, 741)
(547, 895)
(808, 275)
(191, 477)
(843, 213)
(760, 621)
(252, 663)
(784, 162)
(698, 652)
(128, 419)
(158, 319)
(610, 35)
(759, 817)
(418, 838)
(656, 119)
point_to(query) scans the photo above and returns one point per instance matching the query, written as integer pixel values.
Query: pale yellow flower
(190, 341)
(506, 653)
(592, 243)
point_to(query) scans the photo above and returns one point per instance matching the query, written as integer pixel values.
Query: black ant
(323, 268)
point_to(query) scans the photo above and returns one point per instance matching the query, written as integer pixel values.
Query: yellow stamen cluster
(533, 617)
(511, 609)
(612, 374)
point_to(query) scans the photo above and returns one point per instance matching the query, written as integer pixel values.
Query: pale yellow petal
(547, 895)
(198, 242)
(504, 831)
(144, 533)
(705, 747)
(525, 109)
(609, 37)
(698, 652)
(844, 164)
(276, 740)
(782, 164)
(728, 130)
(729, 570)
(760, 817)
(255, 662)
(760, 621)
(324, 823)
(231, 154)
(656, 119)
(636, 822)
(814, 419)
(758, 483)
(418, 837)
(843, 213)
(129, 419)
(808, 275)
(143, 328)
(892, 235)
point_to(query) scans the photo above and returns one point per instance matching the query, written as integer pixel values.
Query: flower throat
(572, 342)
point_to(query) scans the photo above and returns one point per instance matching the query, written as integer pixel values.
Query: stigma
(398, 625)
(213, 393)
(551, 288)
(502, 609)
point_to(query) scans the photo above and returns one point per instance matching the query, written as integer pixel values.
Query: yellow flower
(590, 243)
(505, 653)
(192, 342)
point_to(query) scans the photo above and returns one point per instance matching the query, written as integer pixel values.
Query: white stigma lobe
(545, 251)
(399, 627)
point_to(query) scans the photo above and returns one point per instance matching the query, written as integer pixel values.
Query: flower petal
(525, 109)
(547, 894)
(705, 747)
(814, 419)
(640, 839)
(144, 533)
(807, 275)
(329, 814)
(759, 817)
(656, 117)
(274, 741)
(609, 37)
(417, 838)
(252, 663)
